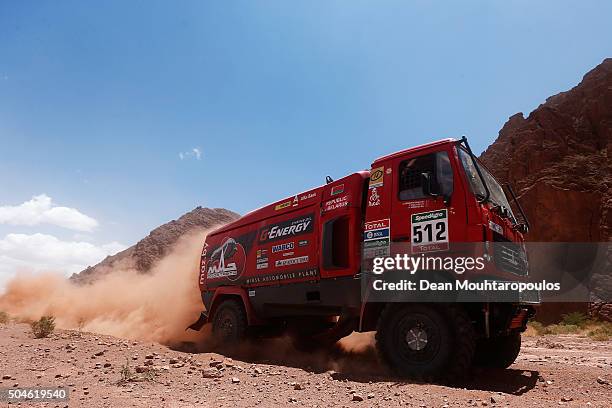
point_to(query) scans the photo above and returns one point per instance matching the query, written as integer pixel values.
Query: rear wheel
(498, 352)
(426, 342)
(229, 322)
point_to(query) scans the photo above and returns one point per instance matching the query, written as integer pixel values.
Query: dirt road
(551, 371)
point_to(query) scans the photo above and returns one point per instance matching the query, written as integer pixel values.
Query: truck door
(427, 222)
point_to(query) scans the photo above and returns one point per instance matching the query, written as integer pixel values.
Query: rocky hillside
(559, 160)
(153, 247)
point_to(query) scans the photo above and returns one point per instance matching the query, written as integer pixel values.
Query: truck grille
(509, 256)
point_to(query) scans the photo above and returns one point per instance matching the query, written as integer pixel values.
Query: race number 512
(429, 231)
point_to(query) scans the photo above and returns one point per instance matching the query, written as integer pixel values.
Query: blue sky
(97, 103)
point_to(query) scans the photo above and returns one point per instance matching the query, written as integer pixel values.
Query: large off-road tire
(426, 342)
(229, 324)
(498, 352)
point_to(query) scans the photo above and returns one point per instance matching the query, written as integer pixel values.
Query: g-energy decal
(286, 229)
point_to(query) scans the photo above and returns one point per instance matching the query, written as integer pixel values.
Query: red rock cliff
(559, 160)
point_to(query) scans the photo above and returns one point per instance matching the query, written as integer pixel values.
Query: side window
(410, 170)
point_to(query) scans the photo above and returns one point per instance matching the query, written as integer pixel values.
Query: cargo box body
(300, 243)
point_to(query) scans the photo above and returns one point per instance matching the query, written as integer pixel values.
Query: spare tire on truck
(229, 324)
(426, 342)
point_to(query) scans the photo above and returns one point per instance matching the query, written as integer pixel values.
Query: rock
(566, 399)
(603, 381)
(371, 395)
(173, 361)
(99, 353)
(257, 370)
(157, 244)
(141, 369)
(558, 161)
(6, 377)
(215, 363)
(211, 373)
(149, 356)
(106, 365)
(293, 400)
(357, 397)
(298, 386)
(148, 362)
(235, 380)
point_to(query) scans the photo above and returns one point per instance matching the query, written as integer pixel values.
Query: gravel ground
(555, 371)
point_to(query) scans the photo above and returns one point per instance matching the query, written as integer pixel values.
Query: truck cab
(300, 266)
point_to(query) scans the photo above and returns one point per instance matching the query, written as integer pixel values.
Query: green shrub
(4, 317)
(574, 319)
(43, 327)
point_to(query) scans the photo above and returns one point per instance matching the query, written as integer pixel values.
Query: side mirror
(427, 185)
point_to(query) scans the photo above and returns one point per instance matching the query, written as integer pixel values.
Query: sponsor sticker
(286, 229)
(339, 189)
(372, 225)
(376, 238)
(303, 243)
(336, 203)
(377, 177)
(291, 261)
(283, 247)
(226, 261)
(283, 205)
(308, 196)
(281, 276)
(429, 231)
(374, 200)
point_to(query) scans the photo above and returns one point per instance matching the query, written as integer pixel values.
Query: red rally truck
(296, 265)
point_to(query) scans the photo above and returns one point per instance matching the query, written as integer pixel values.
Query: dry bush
(4, 317)
(43, 327)
(601, 332)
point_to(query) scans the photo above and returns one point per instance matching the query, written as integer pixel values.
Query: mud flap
(198, 324)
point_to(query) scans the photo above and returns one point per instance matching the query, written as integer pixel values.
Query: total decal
(286, 229)
(376, 238)
(227, 261)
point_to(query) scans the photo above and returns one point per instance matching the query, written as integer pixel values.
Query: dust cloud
(156, 306)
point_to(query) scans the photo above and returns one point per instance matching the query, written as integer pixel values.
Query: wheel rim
(226, 325)
(417, 339)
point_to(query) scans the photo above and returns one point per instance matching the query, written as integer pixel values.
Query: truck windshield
(497, 197)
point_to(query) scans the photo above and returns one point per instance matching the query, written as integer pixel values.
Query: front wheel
(426, 342)
(498, 352)
(229, 324)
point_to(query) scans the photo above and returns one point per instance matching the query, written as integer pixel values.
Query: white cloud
(40, 210)
(42, 252)
(195, 153)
